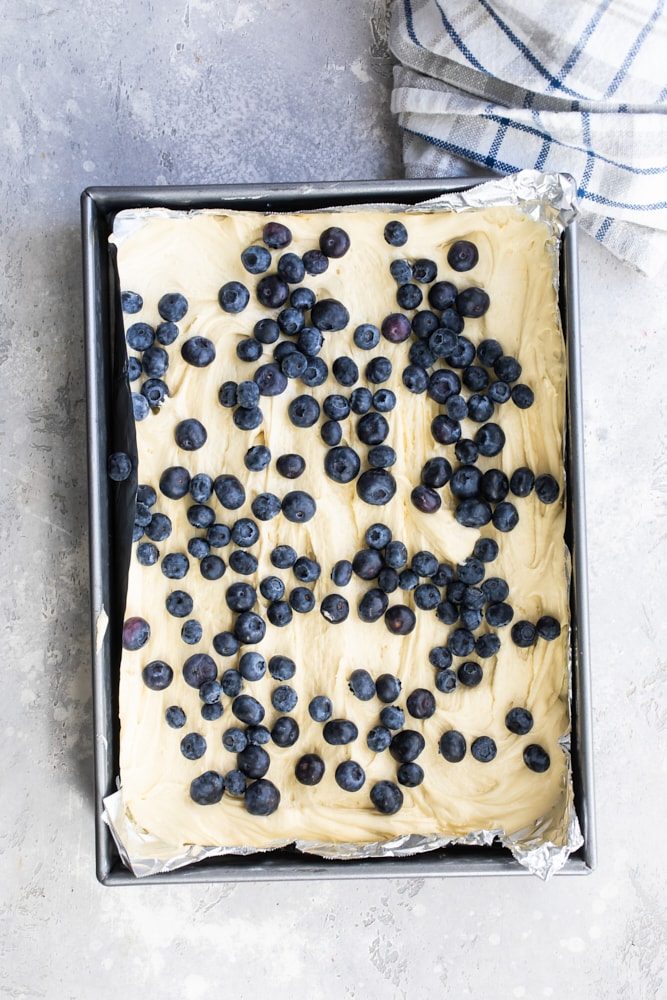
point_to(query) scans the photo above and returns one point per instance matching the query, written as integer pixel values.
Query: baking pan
(99, 206)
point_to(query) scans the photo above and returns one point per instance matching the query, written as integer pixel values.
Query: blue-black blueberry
(309, 769)
(376, 486)
(198, 351)
(276, 235)
(406, 745)
(329, 315)
(334, 242)
(157, 675)
(256, 259)
(536, 758)
(387, 797)
(350, 776)
(395, 233)
(261, 797)
(462, 255)
(208, 788)
(452, 746)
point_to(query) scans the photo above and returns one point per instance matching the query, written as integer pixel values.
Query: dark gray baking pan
(99, 206)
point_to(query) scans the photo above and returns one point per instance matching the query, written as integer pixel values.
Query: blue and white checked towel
(578, 87)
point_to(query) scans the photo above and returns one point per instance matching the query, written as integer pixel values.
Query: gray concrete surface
(277, 90)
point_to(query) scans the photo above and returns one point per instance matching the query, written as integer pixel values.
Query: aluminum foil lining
(549, 198)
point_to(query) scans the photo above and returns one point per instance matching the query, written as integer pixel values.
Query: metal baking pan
(99, 205)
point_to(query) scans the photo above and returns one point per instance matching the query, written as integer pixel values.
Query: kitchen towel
(576, 87)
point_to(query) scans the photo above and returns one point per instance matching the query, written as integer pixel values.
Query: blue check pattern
(570, 87)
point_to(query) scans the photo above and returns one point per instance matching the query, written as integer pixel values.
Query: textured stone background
(278, 90)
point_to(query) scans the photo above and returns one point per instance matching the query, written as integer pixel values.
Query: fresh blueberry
(486, 549)
(336, 406)
(376, 486)
(276, 235)
(442, 295)
(406, 745)
(425, 499)
(309, 769)
(408, 579)
(119, 466)
(306, 570)
(198, 352)
(495, 589)
(340, 732)
(272, 291)
(212, 567)
(396, 327)
(245, 532)
(334, 242)
(443, 383)
(175, 565)
(424, 323)
(191, 632)
(446, 681)
(283, 556)
(519, 720)
(291, 323)
(299, 507)
(392, 717)
(154, 392)
(400, 619)
(309, 342)
(320, 708)
(240, 596)
(266, 331)
(547, 488)
(329, 315)
(499, 392)
(218, 535)
(140, 336)
(450, 320)
(445, 430)
(472, 302)
(285, 731)
(384, 400)
(270, 379)
(424, 563)
(463, 353)
(147, 554)
(408, 296)
(301, 600)
(227, 394)
(315, 262)
(257, 458)
(261, 798)
(386, 797)
(536, 758)
(378, 370)
(350, 776)
(388, 580)
(366, 336)
(372, 428)
(522, 482)
(388, 688)
(483, 749)
(442, 342)
(190, 434)
(133, 370)
(342, 464)
(179, 604)
(155, 362)
(452, 746)
(302, 298)
(247, 709)
(272, 588)
(166, 333)
(248, 349)
(193, 746)
(522, 395)
(304, 411)
(395, 233)
(506, 368)
(131, 302)
(334, 608)
(490, 440)
(427, 596)
(208, 788)
(345, 371)
(381, 456)
(524, 634)
(175, 717)
(424, 270)
(548, 627)
(234, 739)
(249, 628)
(494, 485)
(256, 259)
(440, 657)
(361, 400)
(420, 704)
(290, 268)
(362, 684)
(420, 355)
(284, 698)
(488, 352)
(253, 761)
(462, 255)
(470, 673)
(331, 433)
(157, 675)
(341, 574)
(505, 516)
(229, 491)
(279, 613)
(316, 373)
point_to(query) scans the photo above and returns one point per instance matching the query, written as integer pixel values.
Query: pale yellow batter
(196, 254)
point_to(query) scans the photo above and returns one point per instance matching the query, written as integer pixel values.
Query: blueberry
(522, 396)
(136, 633)
(285, 731)
(218, 535)
(175, 717)
(475, 378)
(315, 262)
(298, 506)
(480, 407)
(424, 323)
(166, 333)
(452, 746)
(272, 291)
(472, 302)
(442, 295)
(420, 355)
(304, 411)
(235, 783)
(119, 466)
(198, 352)
(316, 373)
(507, 368)
(524, 634)
(155, 392)
(547, 488)
(157, 675)
(450, 320)
(175, 565)
(400, 619)
(446, 681)
(443, 383)
(234, 739)
(548, 627)
(336, 406)
(252, 666)
(279, 613)
(249, 628)
(443, 576)
(396, 554)
(395, 233)
(505, 516)
(486, 549)
(536, 758)
(140, 336)
(372, 428)
(179, 604)
(248, 349)
(381, 456)
(362, 685)
(445, 430)
(406, 745)
(341, 574)
(190, 434)
(240, 597)
(488, 352)
(270, 379)
(483, 749)
(140, 407)
(388, 688)
(231, 680)
(253, 761)
(342, 464)
(424, 563)
(376, 486)
(420, 704)
(212, 567)
(392, 717)
(378, 739)
(281, 667)
(350, 776)
(495, 589)
(302, 298)
(266, 331)
(470, 673)
(309, 342)
(462, 355)
(334, 242)
(147, 554)
(499, 392)
(309, 769)
(384, 400)
(272, 588)
(256, 259)
(345, 371)
(291, 323)
(301, 600)
(329, 315)
(320, 708)
(290, 268)
(247, 709)
(361, 400)
(245, 532)
(208, 788)
(191, 632)
(155, 362)
(261, 798)
(425, 499)
(131, 302)
(334, 608)
(462, 255)
(331, 432)
(427, 596)
(442, 342)
(283, 556)
(229, 491)
(408, 296)
(227, 394)
(276, 235)
(519, 720)
(494, 485)
(339, 732)
(440, 657)
(378, 370)
(522, 482)
(366, 336)
(408, 579)
(257, 458)
(490, 439)
(498, 615)
(193, 746)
